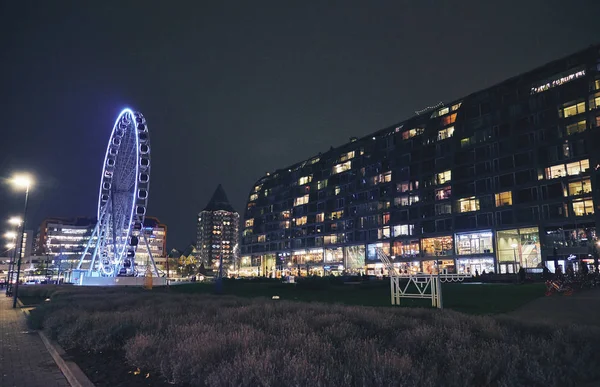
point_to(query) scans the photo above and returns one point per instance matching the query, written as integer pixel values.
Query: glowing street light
(10, 235)
(15, 220)
(21, 181)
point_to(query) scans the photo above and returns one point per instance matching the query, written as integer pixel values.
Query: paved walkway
(582, 307)
(24, 360)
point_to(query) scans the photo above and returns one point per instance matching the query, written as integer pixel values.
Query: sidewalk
(24, 360)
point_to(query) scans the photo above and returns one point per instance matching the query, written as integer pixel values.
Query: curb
(70, 370)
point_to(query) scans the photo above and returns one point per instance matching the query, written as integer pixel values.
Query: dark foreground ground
(185, 336)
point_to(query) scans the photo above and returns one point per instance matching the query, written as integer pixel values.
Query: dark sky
(232, 89)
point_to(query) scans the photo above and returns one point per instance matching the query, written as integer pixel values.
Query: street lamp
(15, 221)
(21, 182)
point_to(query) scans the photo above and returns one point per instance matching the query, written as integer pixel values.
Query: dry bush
(225, 341)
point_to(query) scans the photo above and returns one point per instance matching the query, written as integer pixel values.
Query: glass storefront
(334, 255)
(372, 253)
(518, 248)
(445, 266)
(479, 242)
(439, 246)
(405, 248)
(404, 268)
(580, 235)
(475, 266)
(355, 259)
(249, 266)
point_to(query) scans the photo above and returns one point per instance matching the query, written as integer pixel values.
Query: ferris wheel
(122, 202)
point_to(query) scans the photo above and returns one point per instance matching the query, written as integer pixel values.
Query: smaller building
(217, 235)
(156, 235)
(65, 237)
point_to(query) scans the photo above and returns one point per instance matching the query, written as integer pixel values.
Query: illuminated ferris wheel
(122, 201)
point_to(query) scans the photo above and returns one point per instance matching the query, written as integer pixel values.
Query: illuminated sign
(558, 82)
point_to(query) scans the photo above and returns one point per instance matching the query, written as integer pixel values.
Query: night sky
(232, 89)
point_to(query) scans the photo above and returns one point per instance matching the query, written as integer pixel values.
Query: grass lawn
(472, 298)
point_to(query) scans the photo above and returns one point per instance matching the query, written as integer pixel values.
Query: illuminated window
(257, 188)
(339, 168)
(261, 238)
(403, 229)
(578, 167)
(443, 177)
(322, 184)
(582, 207)
(305, 180)
(597, 84)
(504, 199)
(437, 246)
(479, 242)
(580, 187)
(412, 133)
(301, 220)
(413, 199)
(468, 204)
(336, 214)
(347, 156)
(330, 239)
(576, 127)
(449, 119)
(440, 112)
(573, 110)
(337, 190)
(249, 222)
(386, 218)
(253, 197)
(386, 177)
(383, 233)
(446, 133)
(465, 142)
(301, 200)
(455, 107)
(285, 214)
(320, 217)
(406, 186)
(443, 193)
(556, 171)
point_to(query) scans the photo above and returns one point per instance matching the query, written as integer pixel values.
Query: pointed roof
(219, 201)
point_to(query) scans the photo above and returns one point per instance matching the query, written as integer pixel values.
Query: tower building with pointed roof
(217, 235)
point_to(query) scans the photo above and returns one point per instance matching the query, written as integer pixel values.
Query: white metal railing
(418, 285)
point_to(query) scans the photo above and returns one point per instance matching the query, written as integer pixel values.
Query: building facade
(66, 237)
(156, 235)
(217, 234)
(501, 179)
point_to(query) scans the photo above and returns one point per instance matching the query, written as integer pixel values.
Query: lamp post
(15, 221)
(514, 246)
(21, 181)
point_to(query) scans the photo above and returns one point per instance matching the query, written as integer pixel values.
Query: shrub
(214, 341)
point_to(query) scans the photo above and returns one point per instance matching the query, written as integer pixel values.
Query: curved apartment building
(504, 178)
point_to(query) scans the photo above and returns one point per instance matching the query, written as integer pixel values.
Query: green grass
(467, 298)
